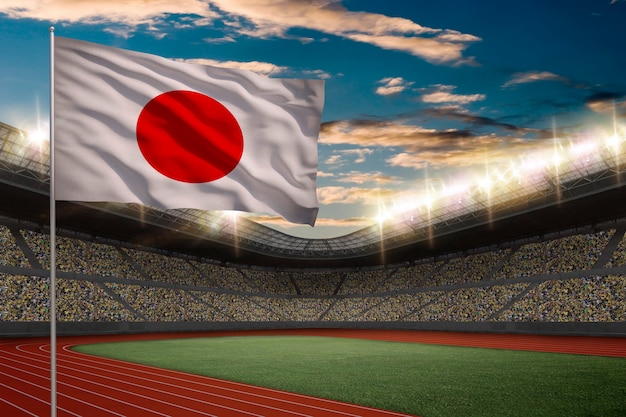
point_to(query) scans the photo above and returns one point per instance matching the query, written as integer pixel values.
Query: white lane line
(46, 378)
(15, 405)
(122, 382)
(34, 397)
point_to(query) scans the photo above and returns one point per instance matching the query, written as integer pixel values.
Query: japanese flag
(138, 128)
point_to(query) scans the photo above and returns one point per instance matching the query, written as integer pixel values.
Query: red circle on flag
(189, 137)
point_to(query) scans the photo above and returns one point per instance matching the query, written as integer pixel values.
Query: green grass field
(420, 379)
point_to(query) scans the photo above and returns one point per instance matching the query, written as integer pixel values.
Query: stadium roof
(585, 191)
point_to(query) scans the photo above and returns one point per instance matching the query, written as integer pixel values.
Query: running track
(90, 386)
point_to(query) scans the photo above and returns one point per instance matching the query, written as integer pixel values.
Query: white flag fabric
(138, 128)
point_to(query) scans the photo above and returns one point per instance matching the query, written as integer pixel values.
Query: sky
(418, 94)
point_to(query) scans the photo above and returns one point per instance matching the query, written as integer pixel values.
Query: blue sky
(418, 93)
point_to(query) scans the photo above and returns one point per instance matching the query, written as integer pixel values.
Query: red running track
(91, 386)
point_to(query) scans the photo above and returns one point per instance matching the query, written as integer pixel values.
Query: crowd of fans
(472, 268)
(618, 258)
(11, 254)
(572, 253)
(409, 278)
(79, 256)
(271, 282)
(587, 299)
(111, 283)
(470, 304)
(225, 277)
(398, 307)
(362, 282)
(24, 298)
(308, 283)
(27, 298)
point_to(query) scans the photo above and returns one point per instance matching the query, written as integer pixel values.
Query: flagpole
(53, 295)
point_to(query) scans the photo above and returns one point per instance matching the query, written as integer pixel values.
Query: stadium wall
(42, 329)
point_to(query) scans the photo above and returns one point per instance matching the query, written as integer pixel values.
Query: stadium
(546, 257)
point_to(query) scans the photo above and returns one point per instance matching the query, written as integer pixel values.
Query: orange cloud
(260, 19)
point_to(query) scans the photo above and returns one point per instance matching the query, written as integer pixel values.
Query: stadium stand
(576, 279)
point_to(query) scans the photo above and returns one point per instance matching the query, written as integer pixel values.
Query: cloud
(465, 155)
(328, 16)
(392, 85)
(475, 151)
(368, 133)
(353, 222)
(259, 19)
(224, 39)
(127, 12)
(356, 177)
(606, 102)
(267, 18)
(264, 68)
(533, 76)
(433, 50)
(443, 94)
(322, 75)
(475, 121)
(335, 161)
(359, 154)
(354, 195)
(339, 157)
(420, 147)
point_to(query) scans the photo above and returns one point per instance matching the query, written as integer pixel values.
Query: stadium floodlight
(613, 143)
(39, 138)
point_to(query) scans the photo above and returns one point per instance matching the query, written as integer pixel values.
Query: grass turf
(425, 380)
